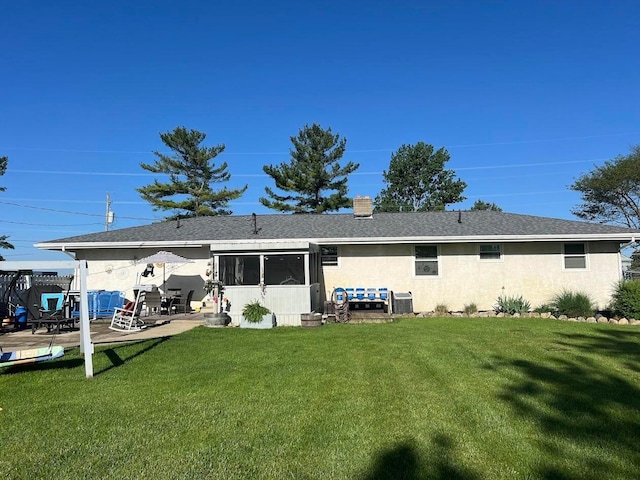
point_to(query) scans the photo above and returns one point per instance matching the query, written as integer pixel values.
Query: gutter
(619, 237)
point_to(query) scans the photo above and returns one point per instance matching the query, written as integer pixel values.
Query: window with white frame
(490, 251)
(329, 256)
(426, 259)
(575, 255)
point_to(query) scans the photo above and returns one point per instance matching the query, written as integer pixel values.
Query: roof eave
(92, 245)
(615, 237)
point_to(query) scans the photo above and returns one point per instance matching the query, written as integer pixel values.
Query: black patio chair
(182, 305)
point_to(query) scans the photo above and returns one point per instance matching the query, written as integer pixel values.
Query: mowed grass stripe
(419, 398)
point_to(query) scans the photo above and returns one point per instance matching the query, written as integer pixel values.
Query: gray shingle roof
(346, 226)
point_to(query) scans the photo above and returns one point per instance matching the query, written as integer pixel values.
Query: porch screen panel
(313, 267)
(240, 270)
(284, 269)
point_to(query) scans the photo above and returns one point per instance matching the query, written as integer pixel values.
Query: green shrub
(626, 299)
(511, 305)
(544, 308)
(441, 309)
(470, 309)
(572, 304)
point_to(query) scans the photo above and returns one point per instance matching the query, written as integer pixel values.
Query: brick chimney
(362, 207)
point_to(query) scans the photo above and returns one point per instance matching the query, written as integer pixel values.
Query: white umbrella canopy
(164, 257)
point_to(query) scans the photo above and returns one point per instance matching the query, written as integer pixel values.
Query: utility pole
(108, 219)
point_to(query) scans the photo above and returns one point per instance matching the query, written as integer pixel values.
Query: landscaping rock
(563, 317)
(591, 320)
(633, 321)
(602, 319)
(613, 320)
(545, 315)
(623, 321)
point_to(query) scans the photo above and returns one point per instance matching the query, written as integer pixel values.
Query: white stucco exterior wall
(119, 269)
(534, 270)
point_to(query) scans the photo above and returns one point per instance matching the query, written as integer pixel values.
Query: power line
(69, 212)
(543, 164)
(264, 175)
(464, 145)
(50, 224)
(62, 200)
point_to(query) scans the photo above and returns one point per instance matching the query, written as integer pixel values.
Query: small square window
(490, 251)
(426, 260)
(329, 256)
(575, 256)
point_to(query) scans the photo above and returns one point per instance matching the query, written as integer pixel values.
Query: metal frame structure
(86, 345)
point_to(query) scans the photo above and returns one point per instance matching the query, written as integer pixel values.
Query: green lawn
(420, 398)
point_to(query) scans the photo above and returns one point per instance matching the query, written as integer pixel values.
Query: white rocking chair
(127, 319)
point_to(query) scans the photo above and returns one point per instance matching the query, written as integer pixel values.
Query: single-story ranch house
(293, 262)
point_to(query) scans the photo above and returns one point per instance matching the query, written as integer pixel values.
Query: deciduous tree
(611, 193)
(417, 181)
(312, 173)
(191, 172)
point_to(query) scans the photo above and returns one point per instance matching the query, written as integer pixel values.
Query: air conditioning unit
(402, 302)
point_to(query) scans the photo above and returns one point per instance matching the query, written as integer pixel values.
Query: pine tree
(482, 205)
(313, 169)
(191, 172)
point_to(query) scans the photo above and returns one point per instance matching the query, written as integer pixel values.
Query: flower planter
(216, 319)
(268, 321)
(310, 320)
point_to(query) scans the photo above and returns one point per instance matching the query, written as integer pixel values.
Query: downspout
(76, 272)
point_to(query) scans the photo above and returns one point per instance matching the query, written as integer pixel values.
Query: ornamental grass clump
(471, 309)
(626, 299)
(511, 305)
(441, 310)
(572, 304)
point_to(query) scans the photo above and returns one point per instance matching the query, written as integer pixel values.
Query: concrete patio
(156, 327)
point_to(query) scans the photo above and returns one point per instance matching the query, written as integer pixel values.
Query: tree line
(314, 180)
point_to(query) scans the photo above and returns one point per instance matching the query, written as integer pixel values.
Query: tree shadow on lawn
(581, 405)
(406, 461)
(621, 344)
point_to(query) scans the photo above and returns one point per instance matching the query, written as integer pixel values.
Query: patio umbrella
(186, 282)
(164, 257)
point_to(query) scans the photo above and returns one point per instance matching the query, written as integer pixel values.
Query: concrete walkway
(157, 327)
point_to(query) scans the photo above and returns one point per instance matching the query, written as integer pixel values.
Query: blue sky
(525, 95)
